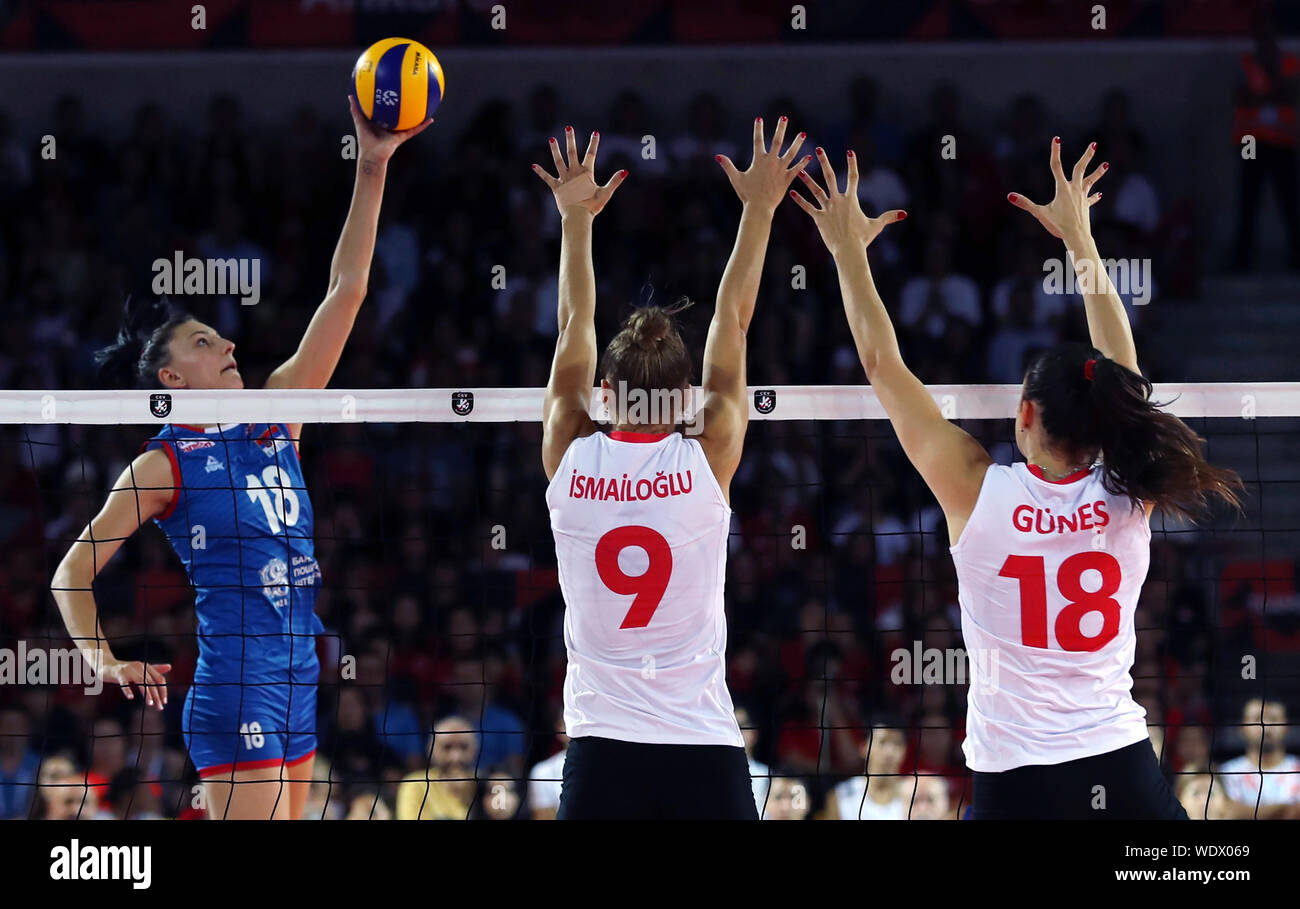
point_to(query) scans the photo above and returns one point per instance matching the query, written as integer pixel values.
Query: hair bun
(648, 326)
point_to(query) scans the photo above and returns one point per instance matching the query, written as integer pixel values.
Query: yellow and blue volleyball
(398, 83)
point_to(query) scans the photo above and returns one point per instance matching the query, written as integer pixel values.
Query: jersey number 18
(1032, 575)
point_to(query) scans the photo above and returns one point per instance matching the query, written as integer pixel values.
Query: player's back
(641, 530)
(1049, 574)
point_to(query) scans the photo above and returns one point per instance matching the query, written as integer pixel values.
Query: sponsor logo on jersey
(160, 405)
(462, 402)
(765, 400)
(213, 465)
(195, 444)
(274, 574)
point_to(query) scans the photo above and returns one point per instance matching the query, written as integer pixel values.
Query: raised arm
(318, 353)
(573, 371)
(144, 490)
(724, 411)
(1067, 218)
(950, 461)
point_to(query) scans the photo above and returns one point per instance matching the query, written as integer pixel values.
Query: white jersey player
(641, 518)
(1051, 555)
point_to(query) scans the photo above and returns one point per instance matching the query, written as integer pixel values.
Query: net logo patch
(765, 400)
(160, 405)
(462, 402)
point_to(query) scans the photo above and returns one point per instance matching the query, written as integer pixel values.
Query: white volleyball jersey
(1048, 575)
(641, 528)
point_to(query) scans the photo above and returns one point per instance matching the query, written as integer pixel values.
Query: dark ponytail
(648, 352)
(1092, 406)
(140, 350)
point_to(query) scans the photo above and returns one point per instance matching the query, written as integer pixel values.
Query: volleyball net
(443, 659)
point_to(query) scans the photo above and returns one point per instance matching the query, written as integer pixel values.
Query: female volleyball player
(641, 517)
(1050, 554)
(232, 501)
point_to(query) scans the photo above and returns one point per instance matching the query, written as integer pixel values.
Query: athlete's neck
(657, 429)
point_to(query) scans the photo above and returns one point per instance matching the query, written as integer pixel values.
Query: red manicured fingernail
(758, 119)
(1098, 195)
(718, 158)
(622, 173)
(552, 140)
(819, 150)
(1092, 147)
(568, 129)
(902, 216)
(793, 194)
(596, 133)
(1056, 140)
(803, 135)
(1011, 197)
(1105, 164)
(850, 153)
(783, 119)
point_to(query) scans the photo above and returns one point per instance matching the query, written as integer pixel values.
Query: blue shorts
(232, 727)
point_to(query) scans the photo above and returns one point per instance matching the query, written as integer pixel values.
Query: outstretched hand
(838, 216)
(1066, 216)
(377, 145)
(575, 186)
(770, 172)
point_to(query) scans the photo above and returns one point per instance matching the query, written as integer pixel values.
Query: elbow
(349, 290)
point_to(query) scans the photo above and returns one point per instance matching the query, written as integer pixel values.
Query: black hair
(140, 349)
(1104, 410)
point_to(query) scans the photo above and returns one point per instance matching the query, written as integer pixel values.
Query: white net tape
(1245, 400)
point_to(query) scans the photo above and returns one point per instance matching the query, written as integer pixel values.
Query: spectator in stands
(445, 790)
(1017, 339)
(107, 758)
(879, 795)
(1265, 775)
(788, 799)
(1202, 797)
(930, 801)
(499, 799)
(62, 793)
(19, 763)
(706, 135)
(502, 741)
(624, 144)
(1031, 271)
(546, 778)
(133, 797)
(930, 303)
(1266, 112)
(366, 805)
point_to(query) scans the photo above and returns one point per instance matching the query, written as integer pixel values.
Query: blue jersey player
(232, 502)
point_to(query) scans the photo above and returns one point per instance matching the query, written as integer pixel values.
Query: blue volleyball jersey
(241, 521)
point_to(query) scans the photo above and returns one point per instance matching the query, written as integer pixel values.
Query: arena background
(226, 141)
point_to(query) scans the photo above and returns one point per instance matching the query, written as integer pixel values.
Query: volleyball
(398, 83)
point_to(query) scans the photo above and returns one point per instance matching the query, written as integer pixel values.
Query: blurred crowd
(443, 658)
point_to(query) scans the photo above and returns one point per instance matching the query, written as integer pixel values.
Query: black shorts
(1132, 788)
(605, 779)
